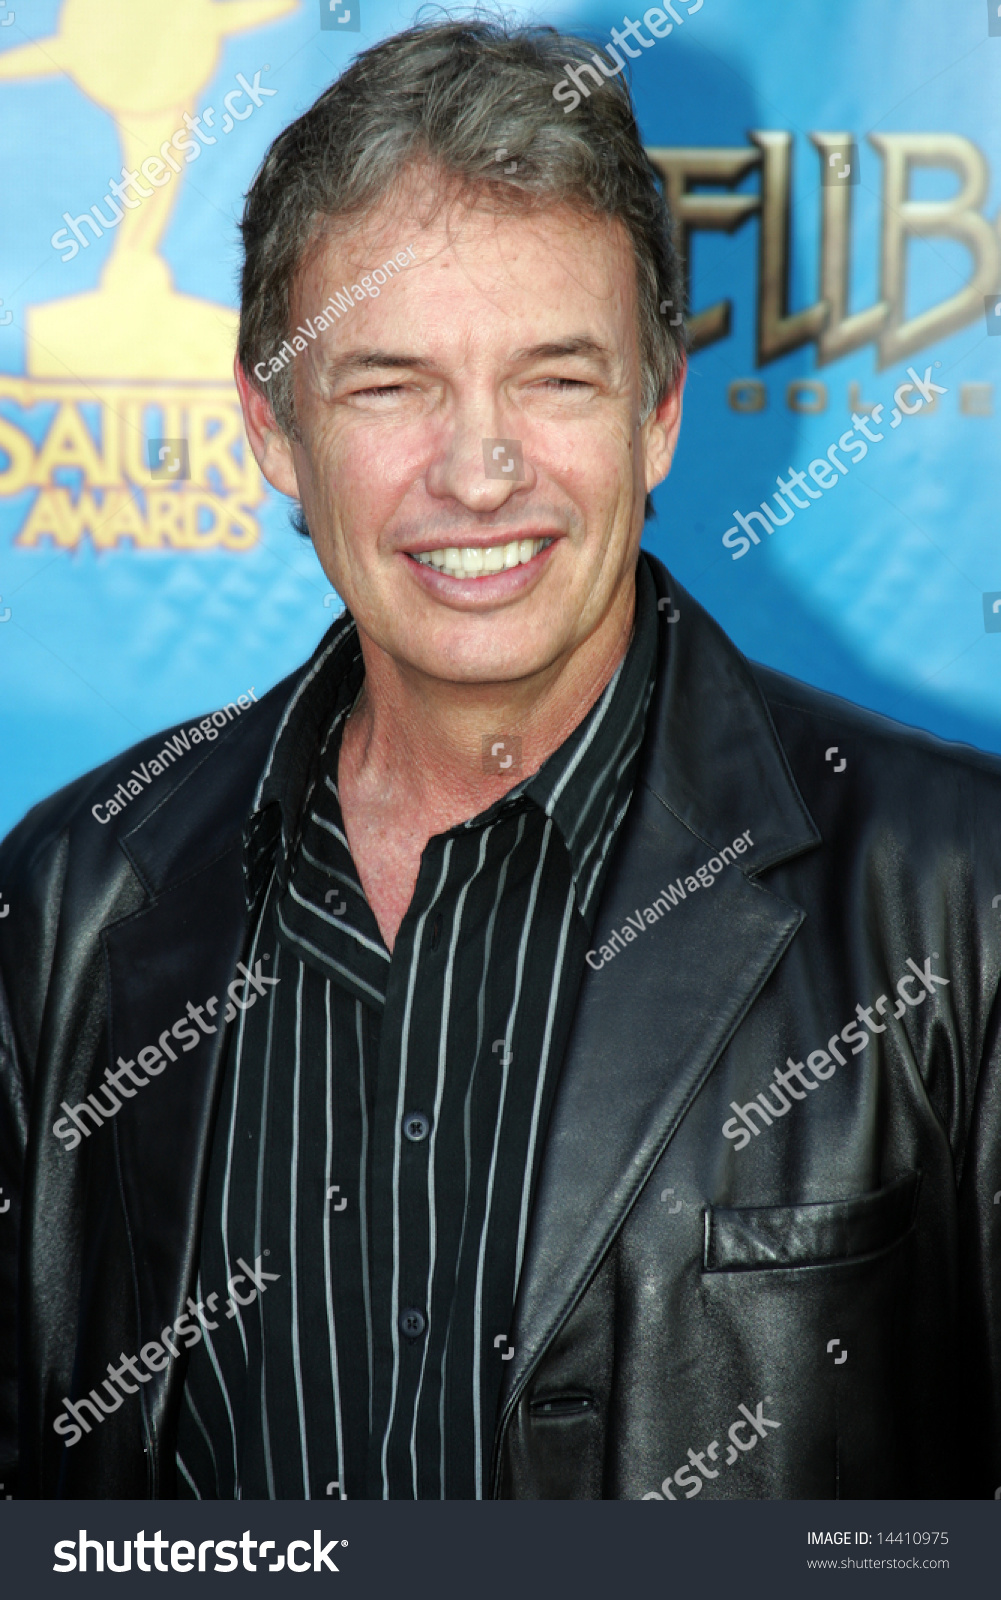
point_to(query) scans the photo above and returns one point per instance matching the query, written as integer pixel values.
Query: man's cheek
(320, 458)
(392, 465)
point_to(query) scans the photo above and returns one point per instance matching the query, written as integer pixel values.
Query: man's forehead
(452, 231)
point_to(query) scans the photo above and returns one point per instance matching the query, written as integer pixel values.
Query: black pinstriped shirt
(382, 1115)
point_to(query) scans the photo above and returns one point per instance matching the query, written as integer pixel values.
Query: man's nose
(480, 466)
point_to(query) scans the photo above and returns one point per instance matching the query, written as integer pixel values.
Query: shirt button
(412, 1322)
(416, 1126)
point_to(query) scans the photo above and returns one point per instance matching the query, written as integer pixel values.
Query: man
(511, 1059)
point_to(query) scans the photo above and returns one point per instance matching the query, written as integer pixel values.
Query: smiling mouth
(483, 560)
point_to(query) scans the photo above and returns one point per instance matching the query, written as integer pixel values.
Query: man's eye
(564, 385)
(379, 389)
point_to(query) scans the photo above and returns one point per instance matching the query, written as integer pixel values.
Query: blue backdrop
(128, 603)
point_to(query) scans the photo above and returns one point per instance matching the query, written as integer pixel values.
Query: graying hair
(450, 95)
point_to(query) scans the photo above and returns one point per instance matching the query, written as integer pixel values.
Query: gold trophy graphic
(156, 364)
(143, 63)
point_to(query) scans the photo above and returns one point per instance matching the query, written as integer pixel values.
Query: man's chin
(504, 666)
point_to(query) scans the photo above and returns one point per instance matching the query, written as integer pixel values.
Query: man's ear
(270, 446)
(660, 432)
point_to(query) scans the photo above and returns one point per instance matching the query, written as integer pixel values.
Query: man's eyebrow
(374, 361)
(559, 348)
(357, 361)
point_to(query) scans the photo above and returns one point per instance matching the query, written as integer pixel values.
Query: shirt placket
(402, 1217)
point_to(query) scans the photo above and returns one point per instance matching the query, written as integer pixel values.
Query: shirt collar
(587, 782)
(329, 684)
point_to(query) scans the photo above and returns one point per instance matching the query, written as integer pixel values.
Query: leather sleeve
(980, 1274)
(32, 870)
(13, 1134)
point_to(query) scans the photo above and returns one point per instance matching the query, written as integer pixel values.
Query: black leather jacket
(715, 1302)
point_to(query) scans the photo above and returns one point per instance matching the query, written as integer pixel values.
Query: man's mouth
(480, 561)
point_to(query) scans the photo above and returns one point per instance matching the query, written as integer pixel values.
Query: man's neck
(418, 748)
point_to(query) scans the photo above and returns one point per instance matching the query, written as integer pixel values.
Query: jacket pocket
(756, 1237)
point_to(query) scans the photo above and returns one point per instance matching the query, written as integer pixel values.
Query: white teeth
(475, 561)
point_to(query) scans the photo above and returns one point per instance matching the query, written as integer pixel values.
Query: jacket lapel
(651, 1022)
(181, 947)
(189, 853)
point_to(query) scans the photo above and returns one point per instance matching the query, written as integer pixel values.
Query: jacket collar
(650, 1025)
(197, 817)
(712, 756)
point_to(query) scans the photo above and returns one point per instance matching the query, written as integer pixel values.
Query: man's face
(462, 558)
